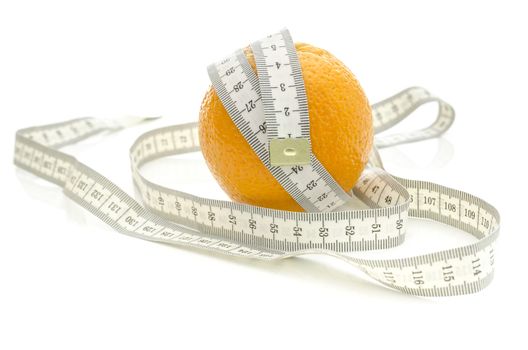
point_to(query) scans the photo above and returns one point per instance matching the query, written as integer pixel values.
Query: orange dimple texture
(340, 128)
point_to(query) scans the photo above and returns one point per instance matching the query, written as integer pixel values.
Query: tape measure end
(289, 152)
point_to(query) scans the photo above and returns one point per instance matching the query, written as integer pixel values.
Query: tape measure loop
(179, 218)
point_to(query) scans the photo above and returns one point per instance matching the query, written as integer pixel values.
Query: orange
(340, 128)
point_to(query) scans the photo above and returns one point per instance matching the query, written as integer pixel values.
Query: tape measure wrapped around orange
(340, 128)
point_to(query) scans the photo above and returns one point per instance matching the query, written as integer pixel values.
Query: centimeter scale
(271, 111)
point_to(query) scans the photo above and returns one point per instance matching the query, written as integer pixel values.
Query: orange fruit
(340, 128)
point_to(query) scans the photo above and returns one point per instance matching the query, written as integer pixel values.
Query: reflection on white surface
(398, 156)
(188, 173)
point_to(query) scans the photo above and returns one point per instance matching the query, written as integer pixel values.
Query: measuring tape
(257, 107)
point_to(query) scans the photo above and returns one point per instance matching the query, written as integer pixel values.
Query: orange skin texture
(340, 128)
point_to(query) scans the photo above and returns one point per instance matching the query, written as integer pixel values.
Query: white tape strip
(176, 217)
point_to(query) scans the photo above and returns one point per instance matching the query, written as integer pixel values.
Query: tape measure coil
(179, 218)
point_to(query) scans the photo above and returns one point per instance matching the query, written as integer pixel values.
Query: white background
(69, 282)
